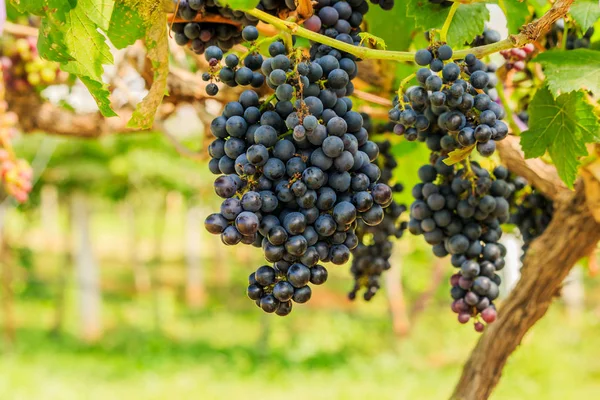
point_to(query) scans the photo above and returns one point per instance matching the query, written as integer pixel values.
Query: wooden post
(395, 294)
(63, 276)
(194, 251)
(141, 276)
(49, 215)
(86, 269)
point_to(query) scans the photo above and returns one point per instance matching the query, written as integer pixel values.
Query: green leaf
(561, 126)
(585, 13)
(393, 25)
(539, 6)
(86, 45)
(42, 7)
(126, 26)
(98, 11)
(158, 54)
(51, 41)
(516, 12)
(100, 93)
(70, 34)
(239, 4)
(467, 23)
(572, 70)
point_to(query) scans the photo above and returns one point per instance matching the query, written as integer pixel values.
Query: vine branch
(529, 33)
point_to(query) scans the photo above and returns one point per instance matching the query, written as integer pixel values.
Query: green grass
(316, 354)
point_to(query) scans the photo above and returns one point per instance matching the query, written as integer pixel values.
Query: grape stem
(448, 21)
(403, 83)
(529, 33)
(267, 102)
(509, 114)
(259, 43)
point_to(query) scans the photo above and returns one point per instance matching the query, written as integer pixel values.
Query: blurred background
(111, 288)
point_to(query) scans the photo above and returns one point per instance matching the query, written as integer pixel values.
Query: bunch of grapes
(516, 58)
(575, 38)
(459, 212)
(22, 67)
(531, 211)
(454, 105)
(297, 175)
(232, 73)
(371, 256)
(16, 174)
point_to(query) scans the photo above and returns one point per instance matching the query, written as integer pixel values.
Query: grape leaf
(86, 45)
(239, 4)
(42, 7)
(561, 126)
(467, 23)
(98, 11)
(516, 12)
(100, 93)
(70, 35)
(566, 72)
(158, 54)
(585, 13)
(393, 25)
(51, 41)
(126, 26)
(539, 6)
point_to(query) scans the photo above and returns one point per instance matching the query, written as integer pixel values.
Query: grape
(250, 33)
(313, 23)
(444, 52)
(423, 57)
(213, 52)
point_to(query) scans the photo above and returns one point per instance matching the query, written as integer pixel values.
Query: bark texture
(572, 234)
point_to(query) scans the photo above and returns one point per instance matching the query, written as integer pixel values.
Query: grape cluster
(22, 66)
(201, 35)
(371, 256)
(237, 71)
(575, 39)
(531, 211)
(516, 58)
(297, 176)
(16, 174)
(454, 105)
(459, 212)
